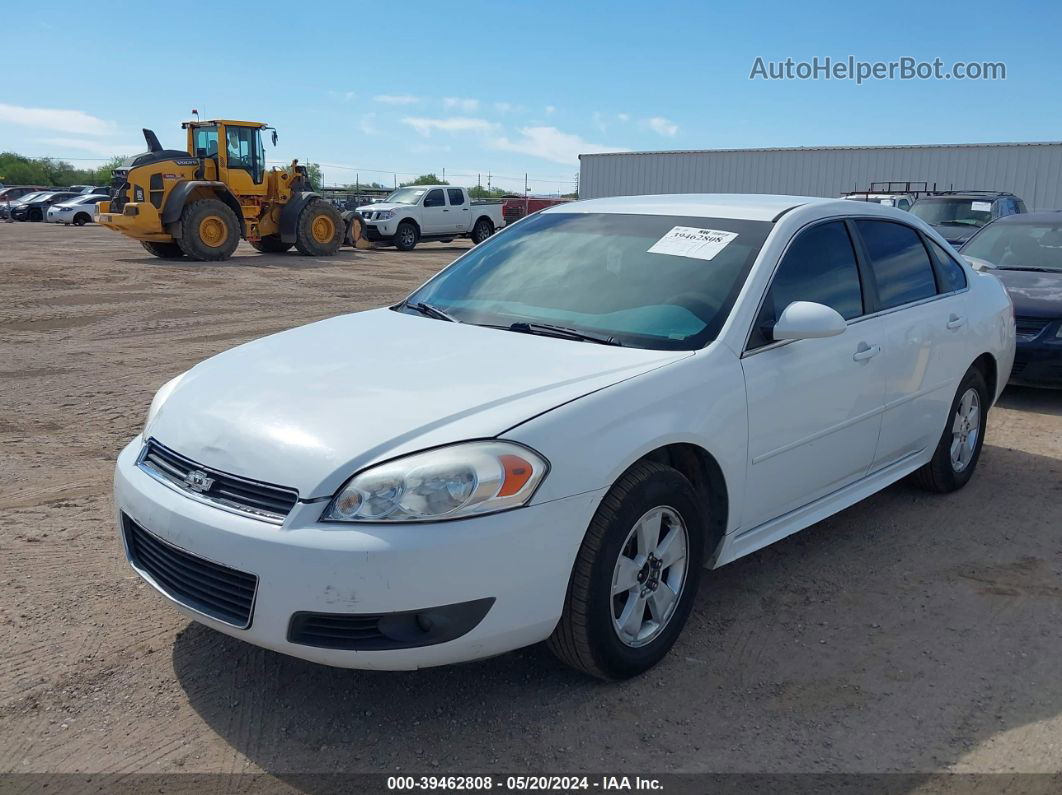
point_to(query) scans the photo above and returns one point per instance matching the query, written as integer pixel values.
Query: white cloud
(69, 121)
(423, 149)
(367, 124)
(396, 99)
(453, 124)
(461, 103)
(661, 125)
(345, 96)
(623, 117)
(599, 122)
(101, 148)
(507, 107)
(549, 143)
(550, 109)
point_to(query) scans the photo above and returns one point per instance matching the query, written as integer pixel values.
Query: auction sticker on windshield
(981, 207)
(689, 241)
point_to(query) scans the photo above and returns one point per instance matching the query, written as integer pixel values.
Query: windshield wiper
(431, 311)
(562, 332)
(1025, 268)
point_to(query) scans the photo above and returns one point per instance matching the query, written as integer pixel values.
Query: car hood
(954, 234)
(371, 208)
(308, 407)
(1033, 293)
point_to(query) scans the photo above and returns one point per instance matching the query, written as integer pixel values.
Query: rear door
(434, 213)
(459, 209)
(814, 405)
(923, 307)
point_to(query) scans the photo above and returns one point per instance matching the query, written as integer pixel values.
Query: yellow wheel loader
(199, 203)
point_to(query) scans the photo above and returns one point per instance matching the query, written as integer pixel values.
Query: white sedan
(554, 436)
(78, 211)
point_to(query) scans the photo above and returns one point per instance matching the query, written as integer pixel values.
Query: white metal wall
(1033, 171)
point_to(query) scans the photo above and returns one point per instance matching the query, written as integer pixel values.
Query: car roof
(1040, 217)
(747, 206)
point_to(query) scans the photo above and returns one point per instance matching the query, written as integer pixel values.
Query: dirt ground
(909, 633)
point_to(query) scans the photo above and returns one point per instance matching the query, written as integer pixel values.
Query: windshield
(28, 197)
(958, 212)
(406, 195)
(1019, 245)
(648, 281)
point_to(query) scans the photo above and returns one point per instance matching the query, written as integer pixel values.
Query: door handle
(864, 352)
(445, 210)
(956, 320)
(464, 209)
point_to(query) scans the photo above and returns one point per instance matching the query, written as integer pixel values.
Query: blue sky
(472, 87)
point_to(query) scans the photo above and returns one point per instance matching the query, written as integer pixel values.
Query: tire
(319, 230)
(271, 244)
(35, 216)
(81, 219)
(949, 470)
(406, 236)
(209, 231)
(163, 250)
(587, 637)
(482, 230)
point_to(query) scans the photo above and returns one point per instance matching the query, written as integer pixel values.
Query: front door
(434, 218)
(815, 404)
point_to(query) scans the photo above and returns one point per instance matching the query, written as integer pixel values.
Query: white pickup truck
(429, 212)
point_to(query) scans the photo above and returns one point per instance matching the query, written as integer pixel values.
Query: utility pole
(488, 182)
(444, 174)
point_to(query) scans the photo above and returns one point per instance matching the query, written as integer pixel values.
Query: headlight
(1058, 334)
(160, 397)
(466, 479)
(384, 215)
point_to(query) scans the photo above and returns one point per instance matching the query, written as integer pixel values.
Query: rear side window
(435, 198)
(900, 262)
(457, 197)
(949, 272)
(819, 266)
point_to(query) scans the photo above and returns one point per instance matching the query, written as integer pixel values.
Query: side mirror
(804, 320)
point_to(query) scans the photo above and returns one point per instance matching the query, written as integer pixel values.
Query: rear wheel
(319, 230)
(636, 575)
(482, 230)
(163, 250)
(271, 244)
(959, 448)
(209, 230)
(406, 236)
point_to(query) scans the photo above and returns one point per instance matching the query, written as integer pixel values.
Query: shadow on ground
(899, 635)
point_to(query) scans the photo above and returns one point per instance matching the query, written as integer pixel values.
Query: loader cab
(236, 149)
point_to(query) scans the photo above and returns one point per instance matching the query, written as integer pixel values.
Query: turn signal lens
(467, 479)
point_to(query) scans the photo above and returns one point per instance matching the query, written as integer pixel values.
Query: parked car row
(74, 205)
(955, 214)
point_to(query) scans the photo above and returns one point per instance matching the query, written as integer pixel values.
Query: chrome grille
(240, 495)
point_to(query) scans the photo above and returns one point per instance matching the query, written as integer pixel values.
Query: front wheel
(209, 230)
(162, 250)
(959, 448)
(406, 236)
(81, 219)
(635, 577)
(319, 230)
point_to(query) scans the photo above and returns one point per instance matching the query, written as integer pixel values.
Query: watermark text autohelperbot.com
(851, 68)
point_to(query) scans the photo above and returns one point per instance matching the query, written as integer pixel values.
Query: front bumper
(521, 559)
(1038, 364)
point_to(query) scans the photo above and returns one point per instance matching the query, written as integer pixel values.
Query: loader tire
(209, 231)
(319, 230)
(163, 250)
(271, 244)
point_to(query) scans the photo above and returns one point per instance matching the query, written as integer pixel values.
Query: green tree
(313, 171)
(479, 192)
(426, 179)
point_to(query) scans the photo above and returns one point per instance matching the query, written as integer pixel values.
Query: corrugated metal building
(1033, 171)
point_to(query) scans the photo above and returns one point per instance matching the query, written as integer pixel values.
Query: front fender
(289, 214)
(178, 197)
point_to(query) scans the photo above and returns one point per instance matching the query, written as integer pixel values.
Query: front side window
(595, 273)
(457, 196)
(435, 198)
(901, 266)
(819, 266)
(241, 149)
